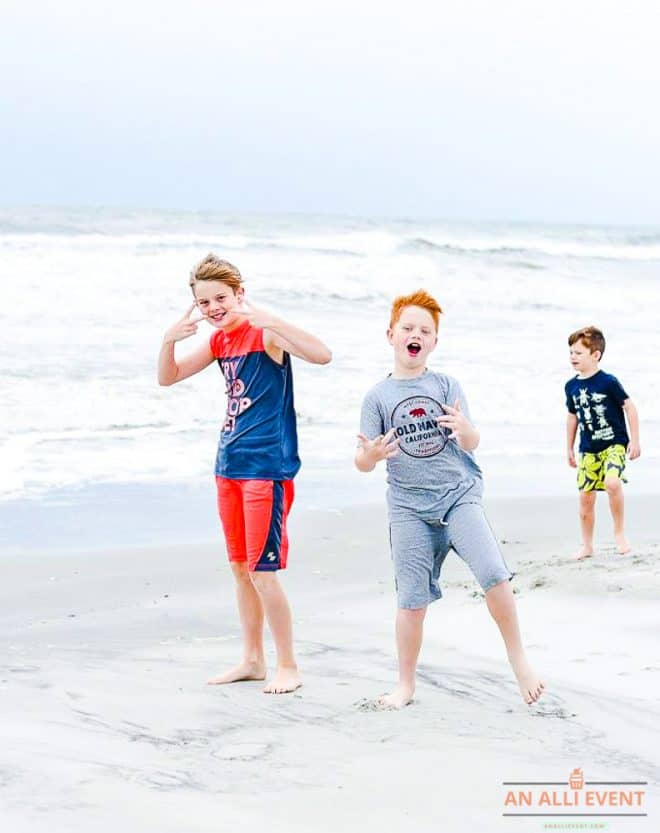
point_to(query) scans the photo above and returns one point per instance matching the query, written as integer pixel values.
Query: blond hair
(212, 268)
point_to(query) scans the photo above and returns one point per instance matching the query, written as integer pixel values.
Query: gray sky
(467, 110)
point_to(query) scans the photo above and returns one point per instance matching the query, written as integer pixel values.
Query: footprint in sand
(366, 705)
(549, 710)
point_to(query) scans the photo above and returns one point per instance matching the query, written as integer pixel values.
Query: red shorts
(253, 515)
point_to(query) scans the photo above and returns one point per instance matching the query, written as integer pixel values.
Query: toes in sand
(399, 698)
(531, 685)
(285, 681)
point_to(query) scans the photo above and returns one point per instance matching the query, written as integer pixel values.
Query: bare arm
(571, 431)
(280, 336)
(170, 370)
(297, 342)
(470, 439)
(363, 461)
(632, 416)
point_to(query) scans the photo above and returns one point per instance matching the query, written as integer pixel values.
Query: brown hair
(421, 298)
(592, 338)
(212, 268)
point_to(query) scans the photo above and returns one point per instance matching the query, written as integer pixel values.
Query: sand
(108, 724)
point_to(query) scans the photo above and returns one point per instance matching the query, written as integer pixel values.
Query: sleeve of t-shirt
(569, 400)
(454, 392)
(616, 391)
(371, 418)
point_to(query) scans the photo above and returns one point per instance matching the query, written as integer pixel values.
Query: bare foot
(622, 545)
(397, 699)
(284, 681)
(531, 686)
(245, 671)
(584, 552)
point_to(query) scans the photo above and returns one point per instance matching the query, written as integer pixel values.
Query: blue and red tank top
(258, 440)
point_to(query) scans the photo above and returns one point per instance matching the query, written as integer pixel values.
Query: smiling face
(216, 300)
(583, 361)
(413, 337)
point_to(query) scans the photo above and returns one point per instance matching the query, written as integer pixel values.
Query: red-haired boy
(417, 420)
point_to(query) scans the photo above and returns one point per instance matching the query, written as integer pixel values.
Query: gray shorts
(419, 548)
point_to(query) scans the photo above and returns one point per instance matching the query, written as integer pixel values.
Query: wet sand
(107, 721)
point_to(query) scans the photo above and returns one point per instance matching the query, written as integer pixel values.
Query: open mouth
(413, 348)
(218, 316)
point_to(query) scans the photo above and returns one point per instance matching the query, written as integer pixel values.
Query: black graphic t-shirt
(431, 473)
(597, 402)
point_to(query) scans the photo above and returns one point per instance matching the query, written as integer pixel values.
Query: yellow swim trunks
(594, 468)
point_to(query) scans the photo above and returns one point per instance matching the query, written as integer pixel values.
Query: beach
(108, 723)
(118, 603)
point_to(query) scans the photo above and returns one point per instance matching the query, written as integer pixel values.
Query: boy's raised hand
(381, 447)
(455, 420)
(258, 317)
(184, 327)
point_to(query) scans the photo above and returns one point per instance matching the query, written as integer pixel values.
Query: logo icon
(576, 779)
(271, 556)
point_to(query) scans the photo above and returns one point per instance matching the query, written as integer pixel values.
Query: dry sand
(107, 723)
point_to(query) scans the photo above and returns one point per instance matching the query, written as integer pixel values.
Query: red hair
(421, 298)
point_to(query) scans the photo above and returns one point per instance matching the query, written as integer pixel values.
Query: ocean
(86, 295)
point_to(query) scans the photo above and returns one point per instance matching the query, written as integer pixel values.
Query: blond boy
(257, 457)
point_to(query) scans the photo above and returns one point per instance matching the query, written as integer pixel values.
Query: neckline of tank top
(230, 335)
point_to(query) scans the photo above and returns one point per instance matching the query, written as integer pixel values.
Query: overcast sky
(463, 110)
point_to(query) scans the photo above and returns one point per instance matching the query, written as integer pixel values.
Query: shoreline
(139, 514)
(126, 516)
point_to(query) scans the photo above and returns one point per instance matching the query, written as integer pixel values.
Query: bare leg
(253, 666)
(587, 520)
(409, 632)
(502, 607)
(278, 613)
(615, 494)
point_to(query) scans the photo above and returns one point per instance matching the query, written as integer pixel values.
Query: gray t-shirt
(431, 473)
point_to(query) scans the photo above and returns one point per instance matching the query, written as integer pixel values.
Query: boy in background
(599, 406)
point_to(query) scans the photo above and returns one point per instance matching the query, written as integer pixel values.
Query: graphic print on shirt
(415, 422)
(236, 402)
(590, 409)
